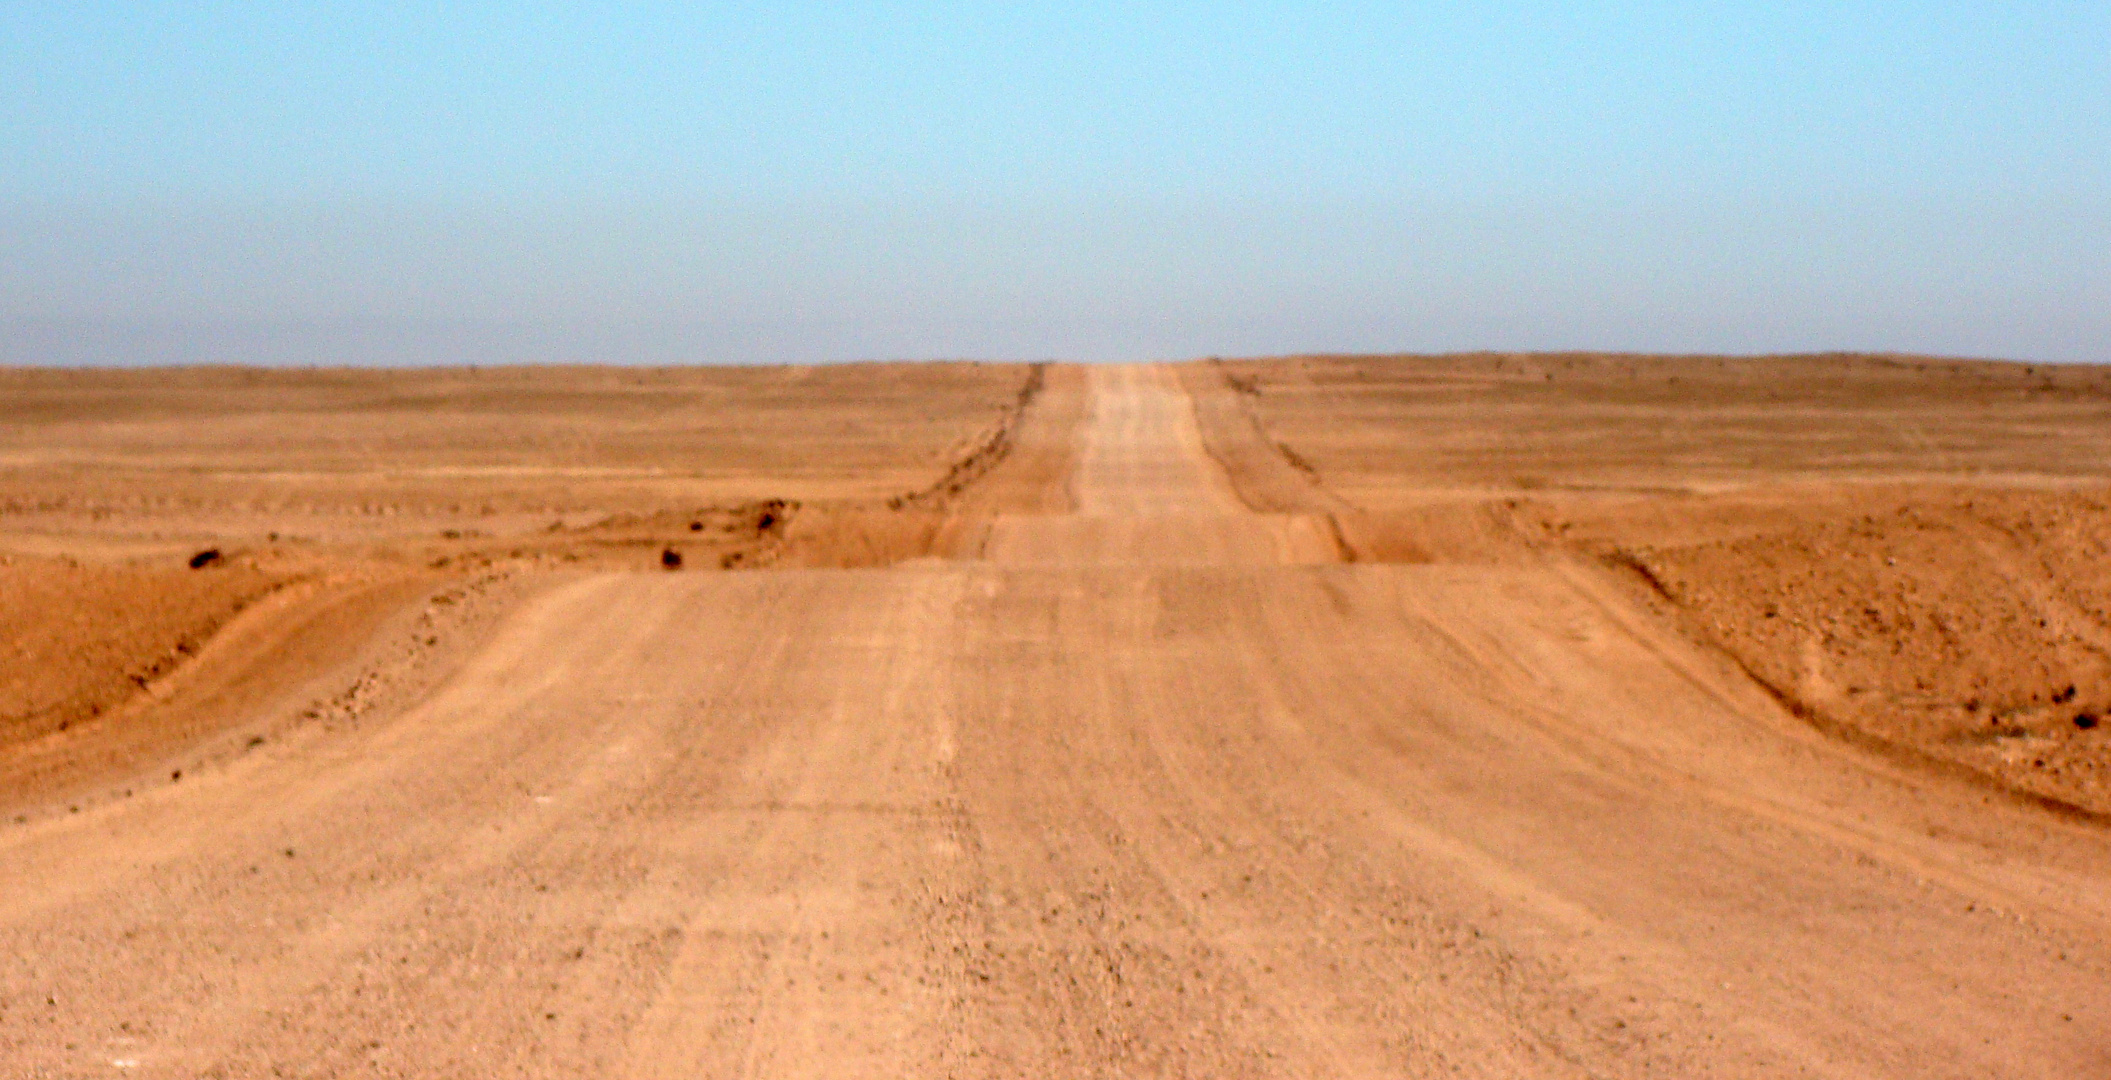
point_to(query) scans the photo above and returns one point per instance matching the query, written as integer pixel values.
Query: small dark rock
(696, 526)
(2064, 696)
(671, 559)
(176, 775)
(205, 558)
(2085, 721)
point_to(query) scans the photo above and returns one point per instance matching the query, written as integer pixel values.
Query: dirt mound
(1911, 553)
(142, 511)
(1970, 625)
(1021, 465)
(82, 639)
(983, 455)
(744, 534)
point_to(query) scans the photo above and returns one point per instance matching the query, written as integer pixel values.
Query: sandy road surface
(1170, 805)
(1146, 493)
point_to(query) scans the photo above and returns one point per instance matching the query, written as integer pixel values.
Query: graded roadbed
(1110, 772)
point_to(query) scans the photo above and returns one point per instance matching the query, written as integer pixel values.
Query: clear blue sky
(333, 183)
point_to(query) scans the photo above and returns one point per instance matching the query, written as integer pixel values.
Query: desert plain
(1486, 715)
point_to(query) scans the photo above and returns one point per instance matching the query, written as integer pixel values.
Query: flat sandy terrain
(1467, 716)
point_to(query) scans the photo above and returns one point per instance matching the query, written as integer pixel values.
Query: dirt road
(1153, 788)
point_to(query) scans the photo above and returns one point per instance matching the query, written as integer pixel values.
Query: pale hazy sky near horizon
(352, 183)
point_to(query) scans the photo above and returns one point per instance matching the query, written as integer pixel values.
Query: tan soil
(1352, 718)
(354, 484)
(1972, 626)
(83, 639)
(1914, 554)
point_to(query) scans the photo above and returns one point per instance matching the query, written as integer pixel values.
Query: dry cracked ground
(1502, 716)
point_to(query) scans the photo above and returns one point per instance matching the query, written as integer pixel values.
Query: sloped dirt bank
(1967, 625)
(321, 506)
(1912, 554)
(83, 639)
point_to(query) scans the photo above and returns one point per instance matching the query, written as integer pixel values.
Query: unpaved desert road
(1153, 789)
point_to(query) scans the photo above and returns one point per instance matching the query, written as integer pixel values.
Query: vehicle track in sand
(1154, 787)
